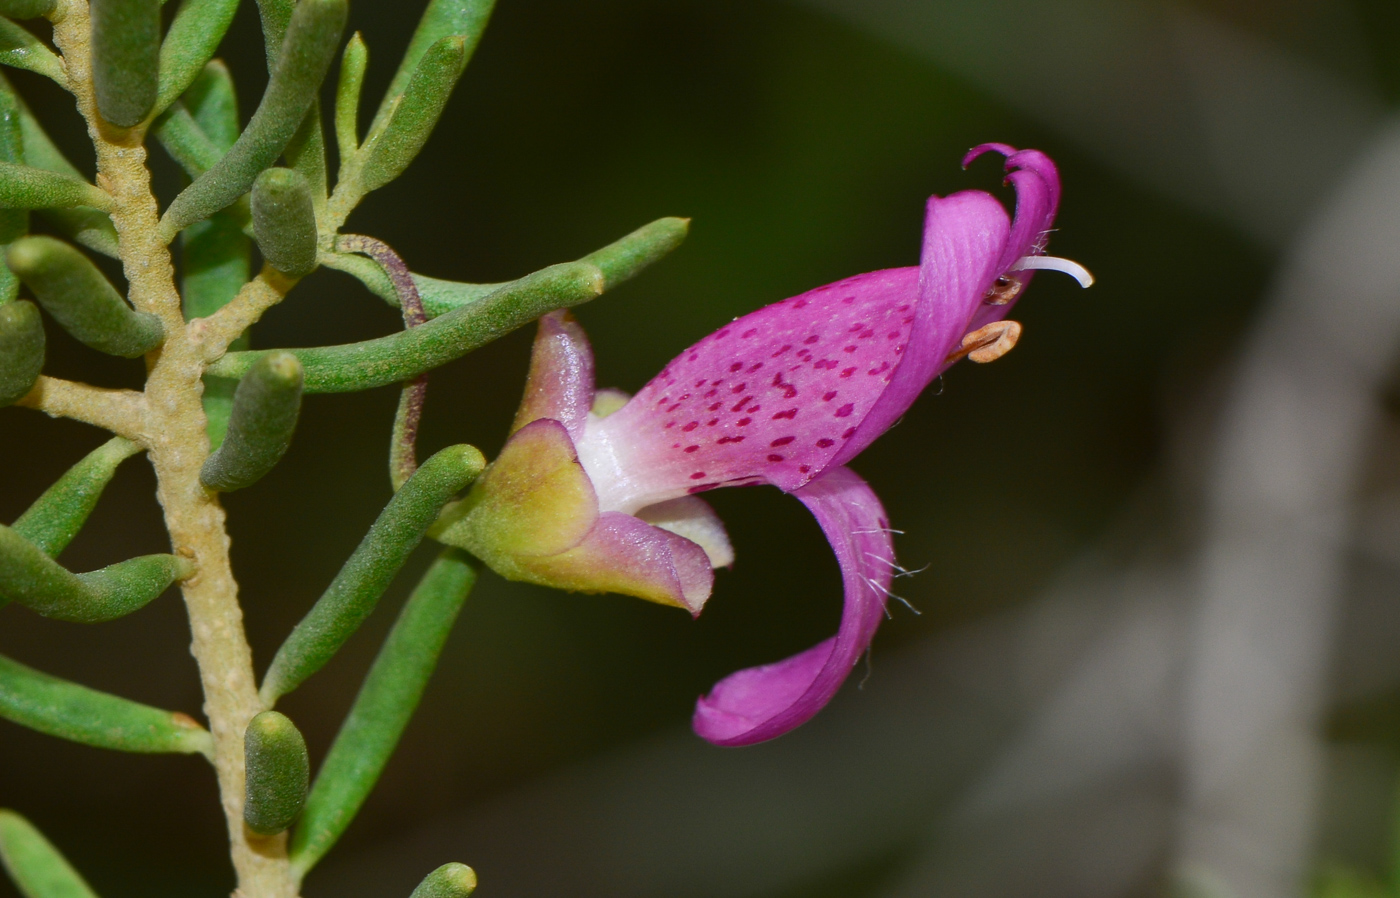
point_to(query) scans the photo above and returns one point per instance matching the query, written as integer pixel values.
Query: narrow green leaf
(76, 294)
(186, 142)
(278, 770)
(389, 151)
(284, 222)
(265, 409)
(275, 16)
(31, 578)
(306, 153)
(193, 37)
(347, 97)
(386, 702)
(57, 516)
(21, 350)
(26, 9)
(88, 226)
(442, 18)
(624, 259)
(22, 50)
(14, 223)
(125, 58)
(79, 714)
(357, 588)
(406, 354)
(447, 881)
(36, 867)
(213, 102)
(310, 43)
(24, 187)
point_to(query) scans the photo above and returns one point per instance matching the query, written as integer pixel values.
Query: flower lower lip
(1055, 263)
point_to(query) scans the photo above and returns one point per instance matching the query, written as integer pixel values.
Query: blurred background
(1159, 543)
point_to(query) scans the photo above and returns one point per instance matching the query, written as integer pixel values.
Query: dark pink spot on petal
(697, 475)
(749, 333)
(730, 440)
(744, 422)
(894, 335)
(805, 468)
(829, 396)
(755, 366)
(850, 432)
(694, 424)
(849, 299)
(824, 443)
(784, 348)
(751, 409)
(734, 367)
(812, 339)
(715, 406)
(775, 457)
(842, 412)
(691, 448)
(789, 414)
(800, 304)
(781, 441)
(712, 422)
(724, 332)
(848, 372)
(851, 348)
(867, 334)
(739, 406)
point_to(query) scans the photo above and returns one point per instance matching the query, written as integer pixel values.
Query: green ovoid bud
(125, 58)
(415, 115)
(34, 864)
(448, 881)
(265, 409)
(26, 9)
(21, 350)
(77, 713)
(278, 773)
(307, 50)
(76, 294)
(23, 187)
(284, 221)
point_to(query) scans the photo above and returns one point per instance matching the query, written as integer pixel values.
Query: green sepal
(448, 881)
(406, 354)
(82, 224)
(307, 50)
(20, 49)
(26, 187)
(31, 578)
(76, 294)
(69, 711)
(356, 589)
(347, 96)
(193, 37)
(55, 518)
(26, 9)
(278, 771)
(125, 58)
(442, 18)
(21, 350)
(386, 702)
(389, 150)
(284, 221)
(35, 865)
(265, 409)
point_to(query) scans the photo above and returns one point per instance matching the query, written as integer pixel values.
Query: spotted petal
(763, 702)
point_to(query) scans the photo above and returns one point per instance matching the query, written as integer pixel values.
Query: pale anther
(1055, 263)
(988, 343)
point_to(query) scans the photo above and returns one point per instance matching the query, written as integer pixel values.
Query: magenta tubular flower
(597, 492)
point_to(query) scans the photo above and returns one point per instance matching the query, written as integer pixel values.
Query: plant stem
(174, 434)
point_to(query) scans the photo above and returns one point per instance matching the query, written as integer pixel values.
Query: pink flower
(596, 492)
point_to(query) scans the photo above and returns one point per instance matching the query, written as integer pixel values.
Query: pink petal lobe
(761, 703)
(771, 397)
(560, 382)
(1037, 183)
(965, 236)
(625, 555)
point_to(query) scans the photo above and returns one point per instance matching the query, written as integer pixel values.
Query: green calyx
(284, 221)
(265, 409)
(21, 350)
(76, 294)
(278, 771)
(125, 58)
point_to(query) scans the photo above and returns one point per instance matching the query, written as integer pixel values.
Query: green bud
(284, 221)
(307, 50)
(21, 350)
(23, 187)
(356, 589)
(265, 409)
(347, 96)
(388, 152)
(37, 868)
(57, 516)
(125, 58)
(79, 714)
(26, 9)
(22, 50)
(193, 37)
(278, 773)
(34, 580)
(448, 881)
(77, 295)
